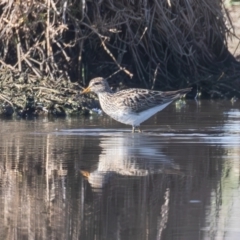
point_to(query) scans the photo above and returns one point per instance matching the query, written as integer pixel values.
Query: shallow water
(91, 178)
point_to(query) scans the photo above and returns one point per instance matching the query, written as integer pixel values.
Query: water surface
(91, 178)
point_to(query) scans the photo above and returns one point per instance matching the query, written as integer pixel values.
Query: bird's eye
(96, 83)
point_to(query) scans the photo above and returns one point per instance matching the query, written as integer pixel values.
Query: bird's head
(97, 85)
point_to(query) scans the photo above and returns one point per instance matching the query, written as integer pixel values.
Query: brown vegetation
(157, 44)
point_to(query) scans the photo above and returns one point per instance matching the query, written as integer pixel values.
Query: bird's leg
(133, 129)
(136, 129)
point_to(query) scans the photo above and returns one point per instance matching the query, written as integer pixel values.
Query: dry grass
(157, 43)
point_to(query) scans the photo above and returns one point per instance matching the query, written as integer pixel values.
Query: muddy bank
(26, 95)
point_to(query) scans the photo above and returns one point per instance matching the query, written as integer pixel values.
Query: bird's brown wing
(138, 100)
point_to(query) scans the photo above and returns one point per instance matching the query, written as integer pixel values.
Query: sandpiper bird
(131, 106)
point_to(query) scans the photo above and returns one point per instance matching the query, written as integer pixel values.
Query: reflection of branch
(164, 213)
(47, 167)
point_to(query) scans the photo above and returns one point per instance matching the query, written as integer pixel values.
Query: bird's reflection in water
(131, 185)
(129, 155)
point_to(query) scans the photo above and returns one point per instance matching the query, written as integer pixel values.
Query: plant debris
(28, 95)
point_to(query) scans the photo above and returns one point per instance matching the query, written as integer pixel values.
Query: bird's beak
(86, 90)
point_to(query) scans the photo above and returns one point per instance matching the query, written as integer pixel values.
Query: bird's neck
(105, 94)
(108, 91)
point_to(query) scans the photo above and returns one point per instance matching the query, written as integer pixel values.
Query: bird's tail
(176, 94)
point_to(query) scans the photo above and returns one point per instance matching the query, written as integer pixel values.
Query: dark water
(91, 178)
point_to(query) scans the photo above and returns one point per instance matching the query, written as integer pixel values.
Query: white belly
(132, 118)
